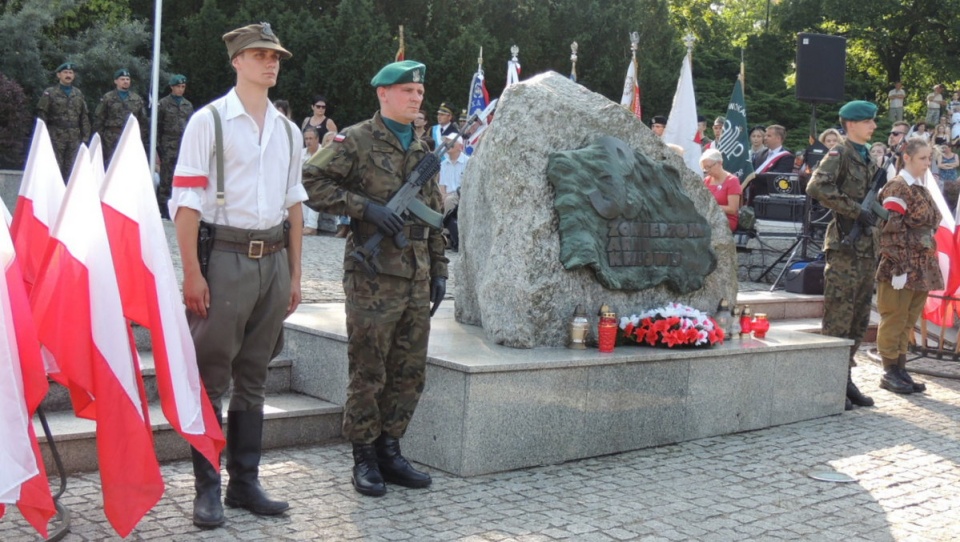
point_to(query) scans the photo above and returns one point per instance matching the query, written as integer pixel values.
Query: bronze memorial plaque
(627, 218)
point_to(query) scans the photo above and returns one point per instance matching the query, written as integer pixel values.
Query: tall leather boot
(366, 478)
(207, 508)
(854, 394)
(394, 467)
(905, 376)
(891, 379)
(244, 441)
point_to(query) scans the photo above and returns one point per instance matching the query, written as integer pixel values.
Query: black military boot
(394, 467)
(891, 379)
(244, 440)
(207, 508)
(905, 376)
(847, 405)
(854, 394)
(367, 479)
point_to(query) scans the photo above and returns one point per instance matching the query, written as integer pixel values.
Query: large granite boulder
(511, 280)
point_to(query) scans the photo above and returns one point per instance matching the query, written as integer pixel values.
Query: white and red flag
(77, 309)
(682, 127)
(151, 295)
(23, 385)
(631, 90)
(38, 204)
(938, 310)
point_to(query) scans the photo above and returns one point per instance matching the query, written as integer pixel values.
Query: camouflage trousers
(847, 291)
(109, 138)
(66, 142)
(169, 153)
(388, 326)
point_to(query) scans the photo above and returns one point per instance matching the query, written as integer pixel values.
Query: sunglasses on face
(896, 133)
(320, 106)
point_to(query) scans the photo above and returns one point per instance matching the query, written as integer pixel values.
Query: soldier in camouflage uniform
(111, 115)
(64, 111)
(388, 316)
(840, 183)
(173, 111)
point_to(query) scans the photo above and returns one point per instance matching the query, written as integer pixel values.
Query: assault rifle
(870, 203)
(405, 199)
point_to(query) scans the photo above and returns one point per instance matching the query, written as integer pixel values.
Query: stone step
(278, 381)
(290, 419)
(813, 325)
(780, 305)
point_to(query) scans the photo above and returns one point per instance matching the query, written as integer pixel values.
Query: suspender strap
(218, 149)
(293, 151)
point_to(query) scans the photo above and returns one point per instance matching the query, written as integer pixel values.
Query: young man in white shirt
(251, 281)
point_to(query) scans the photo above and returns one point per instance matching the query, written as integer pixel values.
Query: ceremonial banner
(735, 141)
(151, 295)
(682, 127)
(631, 90)
(77, 309)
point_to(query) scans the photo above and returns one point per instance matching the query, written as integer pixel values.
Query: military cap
(395, 73)
(446, 107)
(254, 36)
(701, 118)
(177, 79)
(858, 110)
(720, 121)
(66, 66)
(463, 115)
(121, 73)
(659, 119)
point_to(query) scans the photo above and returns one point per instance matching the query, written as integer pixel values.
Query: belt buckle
(255, 250)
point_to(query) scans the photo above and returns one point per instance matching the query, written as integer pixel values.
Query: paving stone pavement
(903, 453)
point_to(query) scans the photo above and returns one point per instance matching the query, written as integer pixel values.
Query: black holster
(205, 237)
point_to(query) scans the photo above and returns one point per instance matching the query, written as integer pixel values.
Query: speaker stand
(801, 243)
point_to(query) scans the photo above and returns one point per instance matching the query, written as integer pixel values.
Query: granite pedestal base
(489, 408)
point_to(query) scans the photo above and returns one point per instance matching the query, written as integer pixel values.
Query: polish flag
(77, 309)
(682, 128)
(151, 295)
(38, 204)
(23, 385)
(937, 310)
(96, 158)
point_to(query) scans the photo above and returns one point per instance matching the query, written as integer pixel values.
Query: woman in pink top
(724, 186)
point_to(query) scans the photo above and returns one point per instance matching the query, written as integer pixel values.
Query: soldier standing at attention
(64, 111)
(173, 111)
(248, 279)
(388, 316)
(111, 115)
(840, 183)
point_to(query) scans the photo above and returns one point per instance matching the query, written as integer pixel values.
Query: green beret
(66, 66)
(121, 73)
(178, 79)
(406, 71)
(858, 110)
(254, 36)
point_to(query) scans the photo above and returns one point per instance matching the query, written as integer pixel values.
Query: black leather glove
(867, 218)
(438, 288)
(388, 222)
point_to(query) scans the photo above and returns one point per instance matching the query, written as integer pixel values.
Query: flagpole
(573, 61)
(480, 73)
(155, 84)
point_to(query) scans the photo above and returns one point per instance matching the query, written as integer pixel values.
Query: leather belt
(253, 249)
(416, 232)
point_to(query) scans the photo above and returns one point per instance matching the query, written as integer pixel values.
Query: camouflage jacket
(365, 163)
(61, 112)
(112, 112)
(906, 238)
(171, 120)
(840, 183)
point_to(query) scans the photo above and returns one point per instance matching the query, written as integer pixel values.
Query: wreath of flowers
(670, 326)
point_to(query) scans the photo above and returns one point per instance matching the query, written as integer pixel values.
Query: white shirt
(452, 171)
(896, 98)
(260, 183)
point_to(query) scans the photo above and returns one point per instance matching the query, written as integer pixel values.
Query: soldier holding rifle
(388, 311)
(842, 183)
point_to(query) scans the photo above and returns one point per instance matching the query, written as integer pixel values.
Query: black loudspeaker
(805, 278)
(821, 68)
